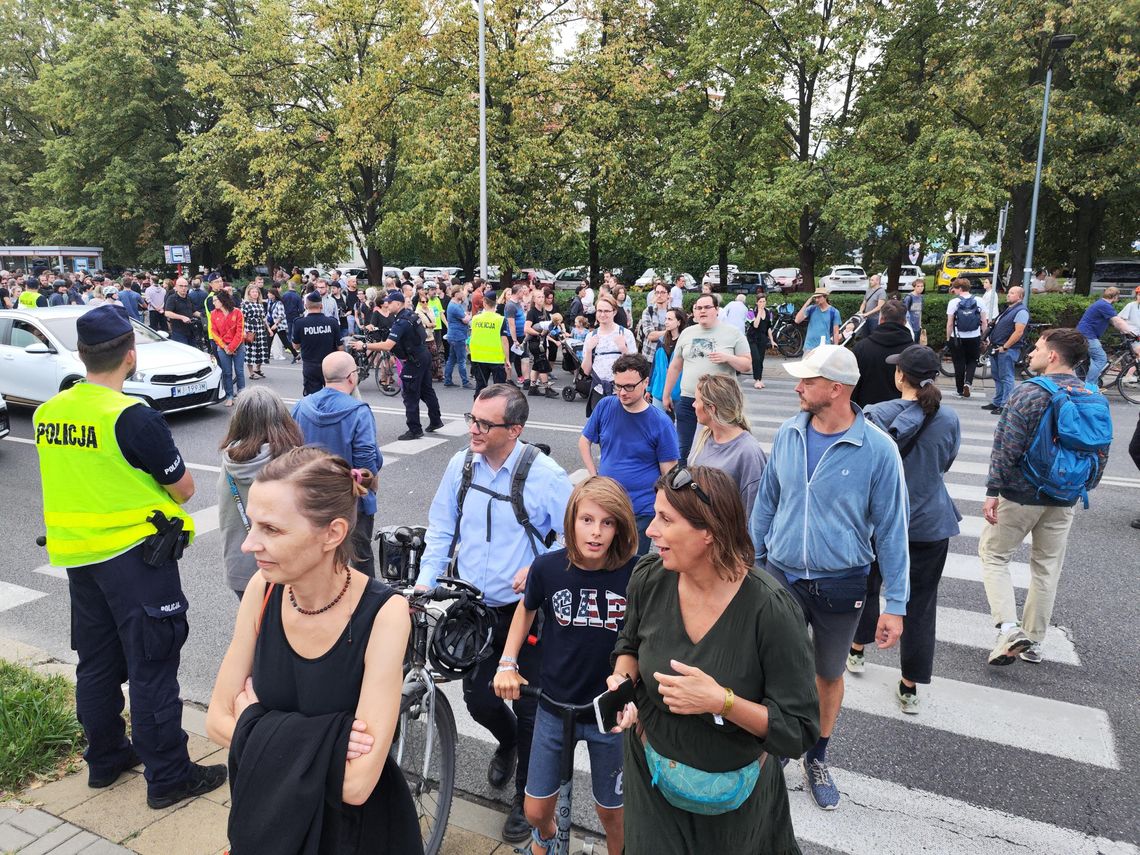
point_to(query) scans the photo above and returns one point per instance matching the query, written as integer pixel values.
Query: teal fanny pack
(698, 791)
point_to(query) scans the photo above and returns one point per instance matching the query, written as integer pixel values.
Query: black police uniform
(409, 335)
(317, 336)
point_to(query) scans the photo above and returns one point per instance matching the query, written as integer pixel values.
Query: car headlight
(139, 377)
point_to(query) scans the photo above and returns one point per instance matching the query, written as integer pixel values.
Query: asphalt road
(999, 760)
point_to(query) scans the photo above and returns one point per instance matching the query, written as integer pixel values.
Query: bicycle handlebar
(537, 693)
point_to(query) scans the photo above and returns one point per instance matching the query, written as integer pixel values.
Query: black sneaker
(551, 392)
(516, 829)
(996, 411)
(411, 434)
(1135, 523)
(988, 407)
(434, 426)
(501, 767)
(535, 391)
(202, 780)
(100, 780)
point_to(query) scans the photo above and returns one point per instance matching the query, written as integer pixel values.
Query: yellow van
(974, 266)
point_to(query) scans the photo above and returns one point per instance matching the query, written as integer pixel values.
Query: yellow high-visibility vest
(95, 502)
(487, 338)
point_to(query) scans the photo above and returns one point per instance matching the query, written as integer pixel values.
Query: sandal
(758, 385)
(256, 375)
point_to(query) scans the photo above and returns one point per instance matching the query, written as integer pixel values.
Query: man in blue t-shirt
(638, 442)
(1093, 324)
(822, 320)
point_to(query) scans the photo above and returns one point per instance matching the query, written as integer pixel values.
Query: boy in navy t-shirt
(581, 593)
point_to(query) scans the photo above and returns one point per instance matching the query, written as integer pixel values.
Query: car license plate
(188, 389)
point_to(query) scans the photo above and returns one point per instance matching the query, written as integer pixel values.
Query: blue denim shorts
(605, 749)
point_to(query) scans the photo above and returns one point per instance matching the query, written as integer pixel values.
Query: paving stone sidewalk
(66, 817)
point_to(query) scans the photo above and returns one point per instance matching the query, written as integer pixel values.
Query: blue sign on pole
(177, 254)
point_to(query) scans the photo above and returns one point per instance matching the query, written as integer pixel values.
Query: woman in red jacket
(227, 329)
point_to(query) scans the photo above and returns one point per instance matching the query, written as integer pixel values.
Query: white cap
(829, 361)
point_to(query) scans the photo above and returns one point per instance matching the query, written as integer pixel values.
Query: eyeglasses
(342, 379)
(680, 478)
(629, 387)
(484, 426)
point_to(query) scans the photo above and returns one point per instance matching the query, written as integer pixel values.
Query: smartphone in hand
(609, 704)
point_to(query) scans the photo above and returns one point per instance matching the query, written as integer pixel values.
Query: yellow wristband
(729, 700)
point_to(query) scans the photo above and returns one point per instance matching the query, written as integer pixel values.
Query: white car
(645, 281)
(4, 428)
(845, 278)
(712, 275)
(39, 357)
(907, 277)
(429, 273)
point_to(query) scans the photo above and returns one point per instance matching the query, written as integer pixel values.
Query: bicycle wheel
(387, 380)
(790, 341)
(1128, 382)
(431, 793)
(984, 368)
(947, 365)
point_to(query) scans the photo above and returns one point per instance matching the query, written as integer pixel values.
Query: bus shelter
(32, 259)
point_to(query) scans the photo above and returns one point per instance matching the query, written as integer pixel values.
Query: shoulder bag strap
(904, 450)
(264, 603)
(237, 500)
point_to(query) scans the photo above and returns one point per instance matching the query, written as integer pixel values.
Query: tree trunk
(722, 265)
(1088, 220)
(595, 252)
(374, 261)
(807, 251)
(1016, 232)
(467, 252)
(894, 267)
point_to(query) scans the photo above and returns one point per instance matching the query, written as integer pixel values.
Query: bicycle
(424, 744)
(569, 714)
(1122, 371)
(786, 333)
(382, 365)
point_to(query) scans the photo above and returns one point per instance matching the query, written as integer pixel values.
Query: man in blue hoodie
(332, 418)
(833, 481)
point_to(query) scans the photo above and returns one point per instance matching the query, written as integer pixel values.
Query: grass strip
(38, 728)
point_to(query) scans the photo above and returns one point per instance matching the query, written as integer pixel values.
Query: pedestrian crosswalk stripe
(205, 520)
(974, 629)
(412, 446)
(1017, 720)
(877, 816)
(972, 526)
(17, 595)
(965, 492)
(969, 567)
(967, 467)
(52, 570)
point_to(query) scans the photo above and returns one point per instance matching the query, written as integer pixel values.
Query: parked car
(712, 275)
(845, 278)
(1122, 273)
(430, 273)
(4, 426)
(645, 281)
(569, 277)
(539, 277)
(907, 277)
(974, 265)
(747, 281)
(788, 278)
(361, 274)
(39, 357)
(414, 270)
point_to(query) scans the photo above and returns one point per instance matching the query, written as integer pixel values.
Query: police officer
(113, 485)
(33, 297)
(61, 297)
(408, 341)
(317, 335)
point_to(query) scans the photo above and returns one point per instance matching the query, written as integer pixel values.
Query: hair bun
(363, 482)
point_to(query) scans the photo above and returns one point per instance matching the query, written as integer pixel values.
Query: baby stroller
(579, 381)
(850, 329)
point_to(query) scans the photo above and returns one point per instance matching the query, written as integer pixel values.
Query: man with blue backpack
(966, 324)
(1049, 450)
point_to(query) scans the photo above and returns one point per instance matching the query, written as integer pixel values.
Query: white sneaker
(1009, 645)
(908, 701)
(855, 662)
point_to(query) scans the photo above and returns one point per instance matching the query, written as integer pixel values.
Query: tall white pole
(1027, 274)
(482, 143)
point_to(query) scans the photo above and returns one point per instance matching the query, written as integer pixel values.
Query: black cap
(918, 360)
(395, 297)
(101, 324)
(313, 297)
(98, 277)
(59, 283)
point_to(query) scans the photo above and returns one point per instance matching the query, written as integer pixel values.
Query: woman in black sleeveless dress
(313, 638)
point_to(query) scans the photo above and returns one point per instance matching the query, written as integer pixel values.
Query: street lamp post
(482, 143)
(1057, 45)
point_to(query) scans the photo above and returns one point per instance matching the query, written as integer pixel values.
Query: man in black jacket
(876, 377)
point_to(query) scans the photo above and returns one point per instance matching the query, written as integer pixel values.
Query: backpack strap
(464, 488)
(518, 482)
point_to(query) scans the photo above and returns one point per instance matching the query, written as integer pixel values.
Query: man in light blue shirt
(494, 551)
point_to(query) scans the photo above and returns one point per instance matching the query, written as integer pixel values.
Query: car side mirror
(163, 333)
(38, 347)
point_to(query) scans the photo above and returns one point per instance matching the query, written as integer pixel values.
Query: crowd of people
(688, 561)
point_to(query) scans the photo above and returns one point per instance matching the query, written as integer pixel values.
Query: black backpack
(968, 315)
(518, 481)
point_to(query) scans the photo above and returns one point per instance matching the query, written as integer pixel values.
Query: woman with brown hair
(724, 440)
(258, 333)
(227, 330)
(261, 429)
(603, 347)
(724, 677)
(315, 661)
(581, 592)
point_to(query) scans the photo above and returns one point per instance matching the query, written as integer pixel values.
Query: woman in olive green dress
(724, 674)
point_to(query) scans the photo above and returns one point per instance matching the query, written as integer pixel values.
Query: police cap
(313, 297)
(395, 297)
(101, 324)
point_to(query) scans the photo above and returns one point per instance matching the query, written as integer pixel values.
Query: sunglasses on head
(680, 477)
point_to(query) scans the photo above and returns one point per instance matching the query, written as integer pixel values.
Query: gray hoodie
(933, 515)
(239, 566)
